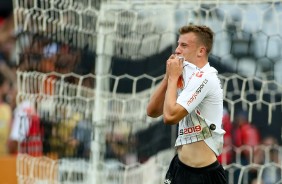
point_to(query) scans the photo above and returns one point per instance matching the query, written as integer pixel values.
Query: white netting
(251, 93)
(52, 92)
(263, 163)
(123, 110)
(128, 38)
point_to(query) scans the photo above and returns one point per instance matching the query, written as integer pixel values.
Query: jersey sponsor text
(194, 96)
(190, 130)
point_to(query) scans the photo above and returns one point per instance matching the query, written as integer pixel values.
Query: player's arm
(156, 103)
(172, 111)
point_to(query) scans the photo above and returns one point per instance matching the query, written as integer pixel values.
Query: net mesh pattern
(100, 60)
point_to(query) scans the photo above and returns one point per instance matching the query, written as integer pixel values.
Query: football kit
(201, 95)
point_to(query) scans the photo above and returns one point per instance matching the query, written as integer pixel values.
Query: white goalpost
(130, 41)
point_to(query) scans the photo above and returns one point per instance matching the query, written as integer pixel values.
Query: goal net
(88, 69)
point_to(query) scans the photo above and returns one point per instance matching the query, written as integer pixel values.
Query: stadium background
(119, 49)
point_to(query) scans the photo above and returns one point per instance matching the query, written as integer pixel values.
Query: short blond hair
(204, 34)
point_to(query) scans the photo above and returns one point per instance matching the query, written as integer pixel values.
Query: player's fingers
(172, 56)
(170, 59)
(180, 63)
(181, 58)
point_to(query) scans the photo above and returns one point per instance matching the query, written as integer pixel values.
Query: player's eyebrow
(182, 43)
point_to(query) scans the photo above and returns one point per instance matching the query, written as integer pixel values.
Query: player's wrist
(172, 79)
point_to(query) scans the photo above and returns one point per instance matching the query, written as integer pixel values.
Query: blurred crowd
(8, 80)
(245, 145)
(19, 121)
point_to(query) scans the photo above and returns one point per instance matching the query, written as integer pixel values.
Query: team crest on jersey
(199, 74)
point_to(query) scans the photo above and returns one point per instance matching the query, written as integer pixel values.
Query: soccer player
(191, 96)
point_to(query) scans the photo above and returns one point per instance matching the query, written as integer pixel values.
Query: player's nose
(177, 51)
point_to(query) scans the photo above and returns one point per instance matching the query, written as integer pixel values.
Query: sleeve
(193, 94)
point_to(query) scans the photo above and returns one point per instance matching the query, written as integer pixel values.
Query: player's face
(187, 46)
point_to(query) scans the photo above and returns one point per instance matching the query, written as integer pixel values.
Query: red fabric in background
(1, 20)
(246, 134)
(32, 145)
(226, 156)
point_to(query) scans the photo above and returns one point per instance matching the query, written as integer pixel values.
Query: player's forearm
(156, 103)
(170, 105)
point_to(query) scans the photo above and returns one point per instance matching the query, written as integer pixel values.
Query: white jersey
(202, 96)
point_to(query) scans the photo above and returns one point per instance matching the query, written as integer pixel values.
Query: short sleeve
(193, 94)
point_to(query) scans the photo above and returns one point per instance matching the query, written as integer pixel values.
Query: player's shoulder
(209, 72)
(206, 71)
(209, 75)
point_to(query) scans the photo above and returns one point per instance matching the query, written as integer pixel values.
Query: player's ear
(202, 51)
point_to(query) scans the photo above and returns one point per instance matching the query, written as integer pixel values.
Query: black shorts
(179, 173)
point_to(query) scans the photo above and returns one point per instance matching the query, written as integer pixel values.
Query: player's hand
(174, 66)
